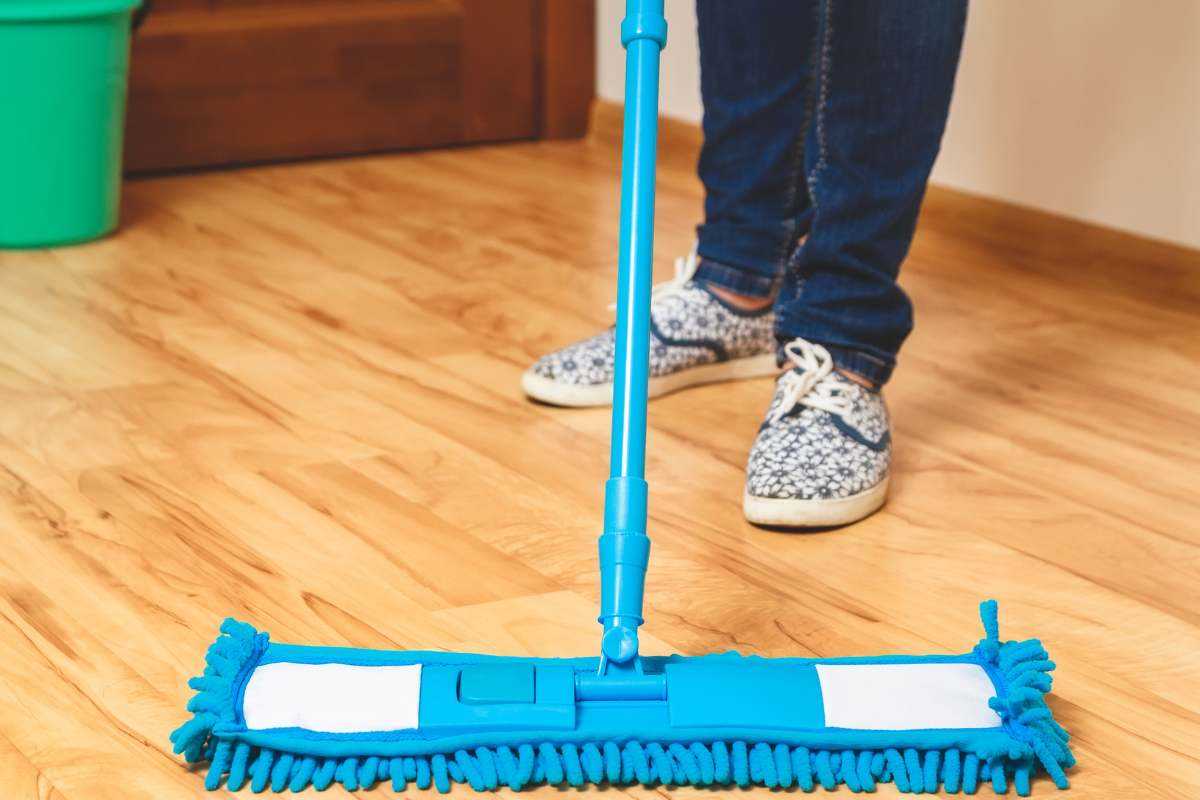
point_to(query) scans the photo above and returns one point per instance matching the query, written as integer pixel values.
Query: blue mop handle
(624, 546)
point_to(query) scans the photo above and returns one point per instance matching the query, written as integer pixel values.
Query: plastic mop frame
(283, 716)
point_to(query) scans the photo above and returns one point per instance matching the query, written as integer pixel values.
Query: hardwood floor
(290, 394)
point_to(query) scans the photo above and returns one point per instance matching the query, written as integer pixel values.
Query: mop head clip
(285, 716)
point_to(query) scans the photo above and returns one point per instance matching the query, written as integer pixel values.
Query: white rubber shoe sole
(566, 394)
(814, 513)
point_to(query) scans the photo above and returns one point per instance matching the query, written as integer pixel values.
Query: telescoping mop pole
(624, 545)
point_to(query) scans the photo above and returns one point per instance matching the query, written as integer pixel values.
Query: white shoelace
(808, 386)
(685, 270)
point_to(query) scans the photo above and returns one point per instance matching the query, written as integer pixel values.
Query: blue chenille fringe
(1038, 743)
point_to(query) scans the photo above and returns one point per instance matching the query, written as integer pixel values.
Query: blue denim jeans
(822, 119)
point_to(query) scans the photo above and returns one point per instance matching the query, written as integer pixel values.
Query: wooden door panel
(236, 81)
(498, 34)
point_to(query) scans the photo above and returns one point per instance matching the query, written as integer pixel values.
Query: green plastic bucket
(63, 71)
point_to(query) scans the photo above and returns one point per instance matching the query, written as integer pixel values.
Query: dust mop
(285, 716)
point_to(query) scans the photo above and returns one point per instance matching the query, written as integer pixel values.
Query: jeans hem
(735, 280)
(862, 364)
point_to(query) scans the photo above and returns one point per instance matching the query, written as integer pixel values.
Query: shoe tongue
(835, 376)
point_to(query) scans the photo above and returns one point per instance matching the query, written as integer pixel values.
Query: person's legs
(885, 72)
(821, 121)
(756, 80)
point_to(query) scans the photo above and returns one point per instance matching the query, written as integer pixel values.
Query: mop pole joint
(644, 25)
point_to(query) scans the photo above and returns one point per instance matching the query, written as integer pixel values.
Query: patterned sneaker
(822, 455)
(694, 338)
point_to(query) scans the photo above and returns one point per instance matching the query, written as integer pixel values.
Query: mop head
(283, 716)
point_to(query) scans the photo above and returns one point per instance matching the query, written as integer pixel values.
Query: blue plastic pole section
(624, 545)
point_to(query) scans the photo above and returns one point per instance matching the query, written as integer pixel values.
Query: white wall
(679, 91)
(1088, 108)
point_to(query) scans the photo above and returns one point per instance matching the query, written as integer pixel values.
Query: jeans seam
(787, 246)
(822, 99)
(783, 254)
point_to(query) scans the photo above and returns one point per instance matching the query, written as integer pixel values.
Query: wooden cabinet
(217, 82)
